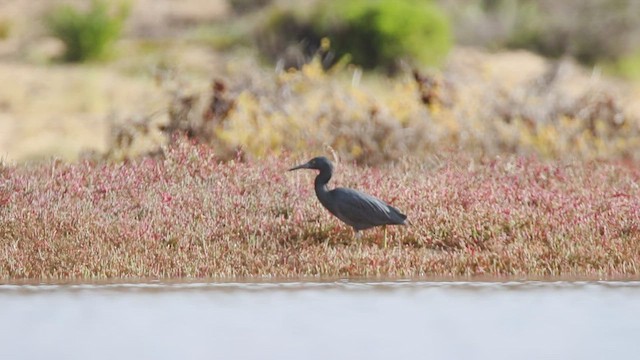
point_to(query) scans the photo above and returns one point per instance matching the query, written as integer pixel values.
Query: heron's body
(357, 209)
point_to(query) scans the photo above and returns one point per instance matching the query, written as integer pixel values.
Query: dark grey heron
(357, 209)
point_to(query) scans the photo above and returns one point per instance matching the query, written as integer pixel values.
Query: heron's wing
(363, 211)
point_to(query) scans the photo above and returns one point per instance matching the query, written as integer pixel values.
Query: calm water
(339, 320)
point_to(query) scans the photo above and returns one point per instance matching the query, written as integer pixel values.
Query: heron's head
(318, 163)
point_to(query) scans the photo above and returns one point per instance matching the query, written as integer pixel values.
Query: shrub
(589, 30)
(286, 36)
(475, 105)
(595, 29)
(374, 34)
(87, 35)
(247, 6)
(379, 33)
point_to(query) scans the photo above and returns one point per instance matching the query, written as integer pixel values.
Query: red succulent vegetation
(192, 215)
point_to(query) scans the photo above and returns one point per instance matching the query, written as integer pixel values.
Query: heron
(359, 210)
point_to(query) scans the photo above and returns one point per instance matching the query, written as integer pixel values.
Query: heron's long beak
(303, 166)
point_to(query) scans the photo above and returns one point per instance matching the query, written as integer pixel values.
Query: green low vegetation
(377, 34)
(372, 34)
(90, 34)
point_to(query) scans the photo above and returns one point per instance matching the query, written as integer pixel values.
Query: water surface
(323, 320)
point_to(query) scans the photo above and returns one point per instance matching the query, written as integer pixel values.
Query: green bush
(87, 35)
(379, 33)
(373, 33)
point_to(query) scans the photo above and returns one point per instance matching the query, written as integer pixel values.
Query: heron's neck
(321, 182)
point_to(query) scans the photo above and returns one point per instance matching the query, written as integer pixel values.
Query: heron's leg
(385, 235)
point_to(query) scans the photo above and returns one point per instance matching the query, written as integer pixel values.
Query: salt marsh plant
(193, 215)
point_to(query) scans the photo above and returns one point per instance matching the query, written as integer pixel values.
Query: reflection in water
(339, 320)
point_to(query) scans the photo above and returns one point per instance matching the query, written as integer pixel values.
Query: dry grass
(191, 215)
(480, 103)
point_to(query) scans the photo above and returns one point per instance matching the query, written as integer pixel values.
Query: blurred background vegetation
(373, 80)
(89, 34)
